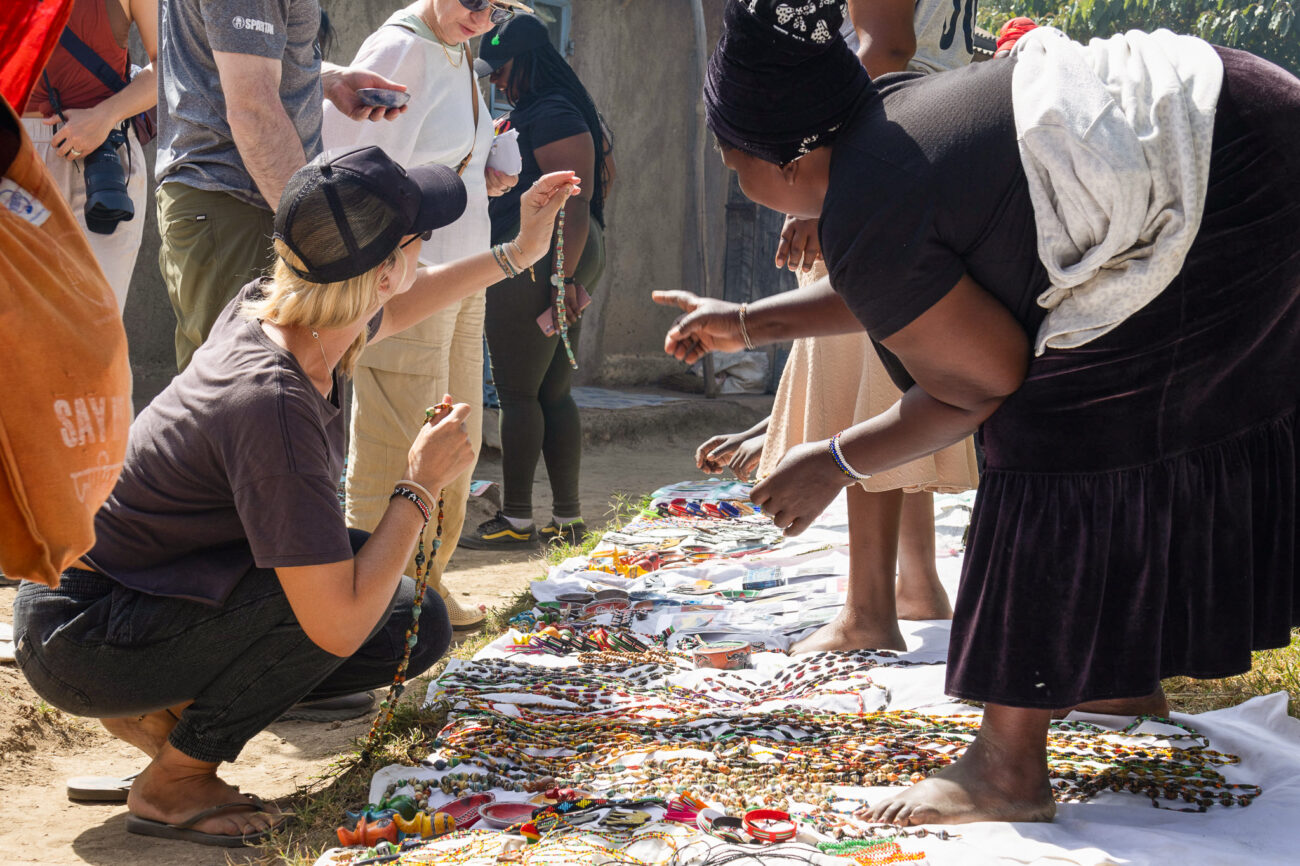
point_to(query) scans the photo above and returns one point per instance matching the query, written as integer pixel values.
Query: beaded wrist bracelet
(410, 495)
(503, 261)
(418, 488)
(838, 456)
(770, 825)
(744, 332)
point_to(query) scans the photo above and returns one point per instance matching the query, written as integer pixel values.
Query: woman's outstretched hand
(537, 210)
(804, 483)
(707, 325)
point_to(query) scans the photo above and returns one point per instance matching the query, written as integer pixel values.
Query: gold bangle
(744, 332)
(514, 263)
(518, 249)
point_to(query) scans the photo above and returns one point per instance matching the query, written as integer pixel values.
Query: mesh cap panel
(339, 225)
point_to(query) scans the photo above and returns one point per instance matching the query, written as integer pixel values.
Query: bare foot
(175, 787)
(1154, 704)
(851, 632)
(921, 598)
(147, 733)
(985, 784)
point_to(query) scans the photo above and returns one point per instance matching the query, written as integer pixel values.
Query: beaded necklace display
(557, 280)
(792, 755)
(389, 705)
(638, 685)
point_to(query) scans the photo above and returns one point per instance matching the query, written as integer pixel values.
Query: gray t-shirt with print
(195, 146)
(235, 464)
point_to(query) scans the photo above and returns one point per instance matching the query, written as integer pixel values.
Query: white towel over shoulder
(1115, 140)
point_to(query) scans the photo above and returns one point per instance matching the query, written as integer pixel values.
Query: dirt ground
(40, 749)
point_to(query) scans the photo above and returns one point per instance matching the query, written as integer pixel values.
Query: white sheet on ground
(1110, 829)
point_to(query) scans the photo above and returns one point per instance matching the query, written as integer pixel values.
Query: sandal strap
(188, 823)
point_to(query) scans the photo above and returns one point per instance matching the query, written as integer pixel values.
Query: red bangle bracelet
(785, 827)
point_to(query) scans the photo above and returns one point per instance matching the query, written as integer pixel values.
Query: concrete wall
(636, 57)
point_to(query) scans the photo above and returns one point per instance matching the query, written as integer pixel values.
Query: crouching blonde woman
(224, 584)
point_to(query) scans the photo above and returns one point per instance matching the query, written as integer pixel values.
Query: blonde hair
(288, 299)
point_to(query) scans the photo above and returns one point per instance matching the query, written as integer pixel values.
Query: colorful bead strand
(557, 280)
(395, 691)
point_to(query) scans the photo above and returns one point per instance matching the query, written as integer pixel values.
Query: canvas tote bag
(65, 383)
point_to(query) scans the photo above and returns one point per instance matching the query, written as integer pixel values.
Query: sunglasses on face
(424, 236)
(499, 13)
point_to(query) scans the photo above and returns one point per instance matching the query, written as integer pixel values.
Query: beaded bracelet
(410, 495)
(744, 332)
(418, 488)
(838, 456)
(503, 261)
(505, 254)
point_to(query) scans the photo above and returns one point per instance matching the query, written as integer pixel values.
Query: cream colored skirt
(831, 383)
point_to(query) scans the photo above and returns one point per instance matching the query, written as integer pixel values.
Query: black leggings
(533, 379)
(94, 648)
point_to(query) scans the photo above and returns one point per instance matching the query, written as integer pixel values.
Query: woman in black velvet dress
(1137, 516)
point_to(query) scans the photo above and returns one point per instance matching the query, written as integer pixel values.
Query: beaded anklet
(557, 280)
(387, 707)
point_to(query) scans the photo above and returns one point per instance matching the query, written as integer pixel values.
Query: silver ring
(74, 152)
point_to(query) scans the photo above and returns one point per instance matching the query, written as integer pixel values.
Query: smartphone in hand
(382, 96)
(579, 300)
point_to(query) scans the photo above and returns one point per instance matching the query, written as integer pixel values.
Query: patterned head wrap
(781, 81)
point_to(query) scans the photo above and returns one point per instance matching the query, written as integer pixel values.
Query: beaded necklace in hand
(387, 707)
(558, 280)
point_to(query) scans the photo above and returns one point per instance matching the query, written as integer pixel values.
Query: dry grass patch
(1273, 671)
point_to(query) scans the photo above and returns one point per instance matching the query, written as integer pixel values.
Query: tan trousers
(831, 383)
(116, 252)
(396, 380)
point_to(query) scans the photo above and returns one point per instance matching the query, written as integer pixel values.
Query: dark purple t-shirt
(926, 184)
(234, 465)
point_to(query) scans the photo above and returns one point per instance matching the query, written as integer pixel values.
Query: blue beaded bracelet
(838, 456)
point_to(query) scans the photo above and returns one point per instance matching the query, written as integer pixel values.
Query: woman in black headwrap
(1137, 519)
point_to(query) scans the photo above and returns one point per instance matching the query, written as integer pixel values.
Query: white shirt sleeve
(394, 53)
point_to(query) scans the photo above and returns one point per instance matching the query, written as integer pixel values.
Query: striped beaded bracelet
(409, 494)
(838, 456)
(503, 261)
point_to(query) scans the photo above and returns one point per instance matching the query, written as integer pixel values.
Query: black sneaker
(574, 533)
(499, 533)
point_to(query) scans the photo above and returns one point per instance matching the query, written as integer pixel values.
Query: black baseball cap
(508, 40)
(344, 212)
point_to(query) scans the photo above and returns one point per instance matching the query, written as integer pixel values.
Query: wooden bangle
(429, 498)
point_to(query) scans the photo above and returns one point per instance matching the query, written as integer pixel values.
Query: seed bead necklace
(395, 691)
(557, 280)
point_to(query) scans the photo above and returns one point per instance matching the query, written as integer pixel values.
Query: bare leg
(175, 787)
(868, 619)
(1154, 704)
(147, 733)
(920, 594)
(1001, 777)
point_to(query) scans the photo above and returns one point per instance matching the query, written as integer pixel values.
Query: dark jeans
(95, 648)
(533, 379)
